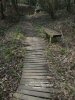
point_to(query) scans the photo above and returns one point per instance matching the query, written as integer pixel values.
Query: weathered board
(52, 35)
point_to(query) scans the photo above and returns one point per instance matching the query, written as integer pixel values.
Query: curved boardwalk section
(34, 83)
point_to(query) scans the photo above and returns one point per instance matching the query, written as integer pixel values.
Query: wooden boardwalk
(34, 84)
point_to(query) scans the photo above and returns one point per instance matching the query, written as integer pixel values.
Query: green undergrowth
(11, 62)
(39, 29)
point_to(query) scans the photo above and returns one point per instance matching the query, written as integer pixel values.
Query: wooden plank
(35, 61)
(23, 81)
(35, 64)
(36, 83)
(45, 90)
(35, 71)
(34, 80)
(34, 77)
(34, 68)
(35, 93)
(34, 58)
(51, 32)
(35, 74)
(28, 97)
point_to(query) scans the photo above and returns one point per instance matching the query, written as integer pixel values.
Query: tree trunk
(68, 5)
(14, 6)
(2, 13)
(56, 4)
(51, 9)
(74, 1)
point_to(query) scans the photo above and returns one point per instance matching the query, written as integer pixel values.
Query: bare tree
(14, 6)
(2, 10)
(68, 5)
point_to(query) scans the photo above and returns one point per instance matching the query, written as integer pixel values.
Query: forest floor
(61, 58)
(11, 60)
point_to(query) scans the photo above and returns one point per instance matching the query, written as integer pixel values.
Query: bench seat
(52, 35)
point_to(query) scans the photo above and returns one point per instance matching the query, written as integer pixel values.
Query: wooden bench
(52, 35)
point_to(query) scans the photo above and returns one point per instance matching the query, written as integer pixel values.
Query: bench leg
(50, 39)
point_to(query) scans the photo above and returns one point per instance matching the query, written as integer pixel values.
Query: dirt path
(34, 84)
